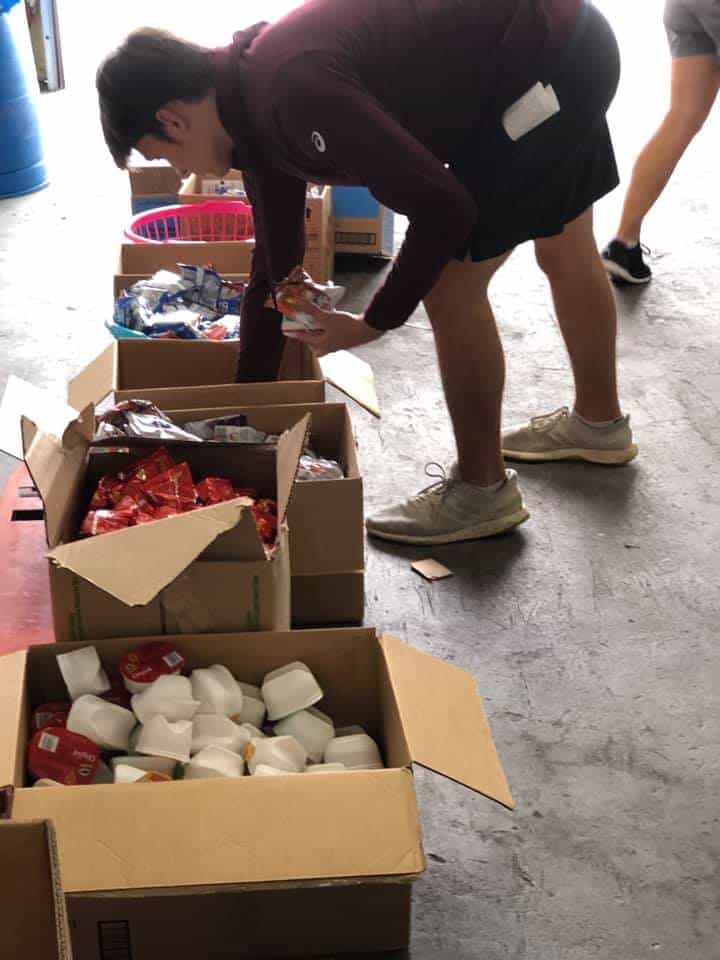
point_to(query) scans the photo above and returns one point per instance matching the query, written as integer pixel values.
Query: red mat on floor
(25, 613)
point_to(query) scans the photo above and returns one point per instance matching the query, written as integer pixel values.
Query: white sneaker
(451, 510)
(562, 435)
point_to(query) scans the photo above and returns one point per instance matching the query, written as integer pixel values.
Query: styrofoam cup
(253, 708)
(211, 729)
(349, 731)
(106, 724)
(289, 689)
(160, 764)
(313, 728)
(326, 768)
(217, 690)
(82, 672)
(357, 751)
(265, 770)
(161, 738)
(170, 696)
(124, 773)
(254, 732)
(215, 761)
(285, 753)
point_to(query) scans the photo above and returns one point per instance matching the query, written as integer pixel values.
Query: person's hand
(337, 330)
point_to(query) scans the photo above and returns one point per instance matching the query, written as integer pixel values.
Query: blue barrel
(22, 168)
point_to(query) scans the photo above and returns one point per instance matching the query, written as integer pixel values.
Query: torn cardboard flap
(56, 468)
(290, 448)
(41, 406)
(353, 377)
(95, 381)
(134, 565)
(444, 720)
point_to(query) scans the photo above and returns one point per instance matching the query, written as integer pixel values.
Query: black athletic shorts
(532, 187)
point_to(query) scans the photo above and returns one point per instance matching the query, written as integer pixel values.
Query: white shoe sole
(607, 458)
(620, 273)
(477, 531)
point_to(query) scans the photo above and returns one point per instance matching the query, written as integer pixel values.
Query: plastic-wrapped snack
(206, 287)
(158, 287)
(147, 467)
(215, 490)
(265, 513)
(173, 488)
(312, 467)
(131, 312)
(139, 418)
(233, 429)
(106, 521)
(303, 302)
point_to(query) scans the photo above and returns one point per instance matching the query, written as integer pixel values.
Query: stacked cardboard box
(319, 232)
(362, 224)
(153, 185)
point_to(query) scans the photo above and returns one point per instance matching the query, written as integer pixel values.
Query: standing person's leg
(479, 498)
(595, 430)
(695, 83)
(694, 87)
(586, 312)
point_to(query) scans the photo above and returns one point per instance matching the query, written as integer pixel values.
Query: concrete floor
(592, 631)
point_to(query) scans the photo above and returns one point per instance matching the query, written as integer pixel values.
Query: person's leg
(586, 313)
(472, 365)
(694, 87)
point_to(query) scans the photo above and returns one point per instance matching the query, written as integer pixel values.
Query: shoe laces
(547, 421)
(440, 485)
(646, 250)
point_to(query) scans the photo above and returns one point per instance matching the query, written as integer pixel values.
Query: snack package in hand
(303, 302)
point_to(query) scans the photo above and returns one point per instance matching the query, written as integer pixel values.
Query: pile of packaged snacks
(142, 419)
(194, 304)
(155, 724)
(156, 487)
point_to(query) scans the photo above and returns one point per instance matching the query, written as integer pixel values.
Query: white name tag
(533, 108)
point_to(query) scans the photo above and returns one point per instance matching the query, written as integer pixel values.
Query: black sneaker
(626, 264)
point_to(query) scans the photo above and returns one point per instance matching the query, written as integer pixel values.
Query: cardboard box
(137, 261)
(319, 223)
(153, 185)
(362, 224)
(189, 373)
(258, 866)
(327, 548)
(33, 920)
(326, 516)
(201, 572)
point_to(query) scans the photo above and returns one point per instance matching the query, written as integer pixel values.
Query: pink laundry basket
(186, 222)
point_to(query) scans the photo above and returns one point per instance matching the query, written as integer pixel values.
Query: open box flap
(296, 827)
(353, 377)
(444, 720)
(56, 466)
(134, 565)
(34, 918)
(290, 448)
(94, 382)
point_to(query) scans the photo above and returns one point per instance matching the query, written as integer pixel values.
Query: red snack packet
(134, 499)
(50, 715)
(60, 754)
(265, 513)
(109, 492)
(146, 663)
(160, 513)
(158, 462)
(106, 521)
(172, 488)
(246, 492)
(145, 516)
(216, 490)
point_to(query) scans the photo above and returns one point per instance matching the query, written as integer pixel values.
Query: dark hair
(151, 68)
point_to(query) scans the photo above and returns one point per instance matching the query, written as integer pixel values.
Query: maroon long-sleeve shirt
(381, 94)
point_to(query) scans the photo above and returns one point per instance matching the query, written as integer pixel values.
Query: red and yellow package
(216, 490)
(106, 521)
(172, 488)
